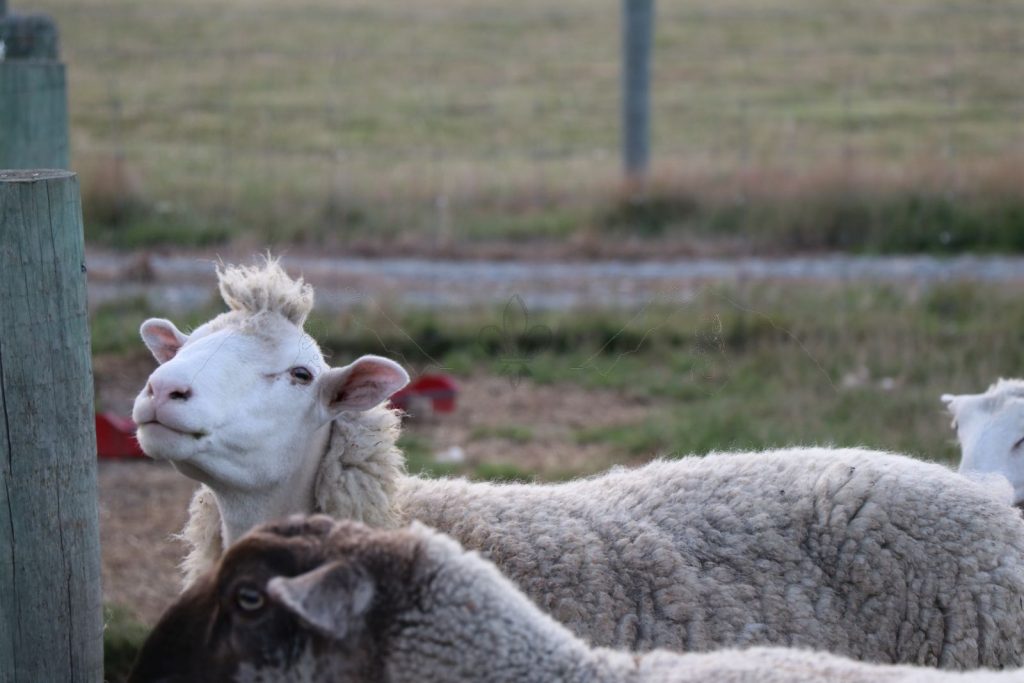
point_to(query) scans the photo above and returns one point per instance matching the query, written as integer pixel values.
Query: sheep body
(398, 606)
(867, 554)
(870, 555)
(781, 665)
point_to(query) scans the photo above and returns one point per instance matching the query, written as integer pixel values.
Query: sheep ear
(331, 600)
(361, 385)
(950, 400)
(162, 338)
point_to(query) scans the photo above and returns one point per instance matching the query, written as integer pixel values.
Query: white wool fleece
(871, 555)
(469, 623)
(780, 665)
(358, 478)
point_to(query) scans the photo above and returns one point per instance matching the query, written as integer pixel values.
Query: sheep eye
(249, 599)
(1020, 442)
(301, 374)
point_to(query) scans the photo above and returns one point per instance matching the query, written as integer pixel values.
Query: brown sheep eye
(249, 599)
(301, 374)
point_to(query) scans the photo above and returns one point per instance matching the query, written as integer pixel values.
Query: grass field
(334, 122)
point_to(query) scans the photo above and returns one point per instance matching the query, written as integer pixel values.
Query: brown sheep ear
(332, 600)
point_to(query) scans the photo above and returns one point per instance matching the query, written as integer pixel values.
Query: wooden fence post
(51, 623)
(28, 36)
(33, 94)
(33, 115)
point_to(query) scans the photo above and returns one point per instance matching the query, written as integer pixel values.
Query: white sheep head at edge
(990, 428)
(244, 404)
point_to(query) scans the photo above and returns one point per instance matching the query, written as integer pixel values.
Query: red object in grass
(115, 437)
(436, 390)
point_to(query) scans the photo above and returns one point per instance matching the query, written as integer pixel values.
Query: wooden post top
(33, 175)
(28, 36)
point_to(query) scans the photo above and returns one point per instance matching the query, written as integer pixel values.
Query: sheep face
(238, 403)
(990, 428)
(286, 603)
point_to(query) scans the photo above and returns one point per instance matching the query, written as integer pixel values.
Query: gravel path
(182, 282)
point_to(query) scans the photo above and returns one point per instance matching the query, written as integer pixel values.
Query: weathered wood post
(33, 94)
(50, 601)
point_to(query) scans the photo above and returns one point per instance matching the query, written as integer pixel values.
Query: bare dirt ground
(547, 418)
(143, 503)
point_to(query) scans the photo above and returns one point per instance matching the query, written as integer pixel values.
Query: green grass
(419, 459)
(514, 433)
(750, 366)
(844, 216)
(122, 639)
(349, 120)
(115, 326)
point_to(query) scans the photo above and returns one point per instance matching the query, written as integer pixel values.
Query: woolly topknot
(1002, 391)
(1008, 386)
(265, 288)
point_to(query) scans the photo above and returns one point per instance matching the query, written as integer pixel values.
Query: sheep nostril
(181, 395)
(149, 389)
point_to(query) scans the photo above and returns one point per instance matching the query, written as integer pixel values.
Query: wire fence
(467, 118)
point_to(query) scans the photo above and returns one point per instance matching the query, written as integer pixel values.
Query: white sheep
(247, 405)
(323, 602)
(866, 554)
(990, 428)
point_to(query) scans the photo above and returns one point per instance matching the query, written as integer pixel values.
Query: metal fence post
(637, 36)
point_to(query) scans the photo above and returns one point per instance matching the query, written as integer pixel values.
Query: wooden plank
(33, 115)
(50, 600)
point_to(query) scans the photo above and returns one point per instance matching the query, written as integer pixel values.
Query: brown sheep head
(307, 598)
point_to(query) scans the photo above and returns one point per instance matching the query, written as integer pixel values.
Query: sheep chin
(161, 442)
(192, 471)
(306, 667)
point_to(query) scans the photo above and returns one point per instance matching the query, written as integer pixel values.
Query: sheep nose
(161, 391)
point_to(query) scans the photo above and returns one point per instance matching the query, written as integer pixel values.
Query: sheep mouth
(183, 432)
